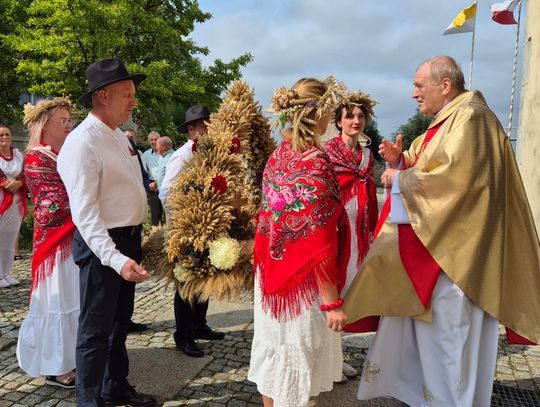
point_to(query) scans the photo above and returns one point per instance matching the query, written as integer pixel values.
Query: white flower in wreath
(179, 273)
(224, 252)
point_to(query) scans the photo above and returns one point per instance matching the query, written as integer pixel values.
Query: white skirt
(293, 360)
(450, 362)
(10, 223)
(48, 334)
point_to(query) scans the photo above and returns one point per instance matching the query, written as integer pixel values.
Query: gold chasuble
(467, 205)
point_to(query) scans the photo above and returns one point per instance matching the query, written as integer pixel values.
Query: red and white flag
(503, 13)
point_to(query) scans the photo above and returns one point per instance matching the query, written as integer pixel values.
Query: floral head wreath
(289, 107)
(32, 113)
(357, 99)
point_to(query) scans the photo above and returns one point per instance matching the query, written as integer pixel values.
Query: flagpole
(509, 133)
(472, 50)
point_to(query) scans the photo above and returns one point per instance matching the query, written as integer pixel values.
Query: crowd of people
(433, 274)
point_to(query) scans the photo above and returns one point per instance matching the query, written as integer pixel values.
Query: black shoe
(131, 398)
(208, 334)
(135, 327)
(190, 348)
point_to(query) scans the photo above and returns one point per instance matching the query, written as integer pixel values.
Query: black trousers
(189, 318)
(106, 309)
(157, 215)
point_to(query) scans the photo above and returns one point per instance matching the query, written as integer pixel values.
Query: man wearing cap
(103, 179)
(190, 318)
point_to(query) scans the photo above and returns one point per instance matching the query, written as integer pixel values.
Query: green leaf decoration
(283, 118)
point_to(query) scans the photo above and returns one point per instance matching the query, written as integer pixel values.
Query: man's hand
(131, 271)
(391, 152)
(336, 319)
(387, 177)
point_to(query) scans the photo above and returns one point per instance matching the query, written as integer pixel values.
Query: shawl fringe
(43, 268)
(303, 288)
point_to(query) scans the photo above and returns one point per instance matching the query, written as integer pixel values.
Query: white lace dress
(291, 361)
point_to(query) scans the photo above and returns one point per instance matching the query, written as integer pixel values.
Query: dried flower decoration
(219, 183)
(32, 113)
(235, 145)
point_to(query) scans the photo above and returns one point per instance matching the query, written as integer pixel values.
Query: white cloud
(372, 45)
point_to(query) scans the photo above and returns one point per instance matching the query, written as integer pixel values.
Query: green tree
(56, 40)
(416, 125)
(10, 86)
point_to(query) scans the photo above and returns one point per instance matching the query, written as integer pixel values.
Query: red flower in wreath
(194, 146)
(235, 145)
(219, 183)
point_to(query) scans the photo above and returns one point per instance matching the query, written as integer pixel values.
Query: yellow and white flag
(464, 22)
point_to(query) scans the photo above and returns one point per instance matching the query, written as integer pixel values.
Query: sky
(371, 45)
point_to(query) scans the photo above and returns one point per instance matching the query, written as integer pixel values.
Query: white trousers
(10, 223)
(449, 363)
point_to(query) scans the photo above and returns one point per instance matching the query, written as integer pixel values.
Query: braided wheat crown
(289, 107)
(32, 113)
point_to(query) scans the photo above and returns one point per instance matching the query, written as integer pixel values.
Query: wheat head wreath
(206, 247)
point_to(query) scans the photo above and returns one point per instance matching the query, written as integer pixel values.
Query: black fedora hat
(107, 71)
(193, 114)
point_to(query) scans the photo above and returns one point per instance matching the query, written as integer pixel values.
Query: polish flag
(503, 13)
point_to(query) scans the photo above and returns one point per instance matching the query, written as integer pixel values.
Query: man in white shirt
(103, 179)
(190, 318)
(151, 157)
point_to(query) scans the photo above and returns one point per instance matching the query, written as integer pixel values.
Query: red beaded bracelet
(328, 307)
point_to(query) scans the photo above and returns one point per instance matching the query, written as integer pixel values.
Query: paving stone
(223, 381)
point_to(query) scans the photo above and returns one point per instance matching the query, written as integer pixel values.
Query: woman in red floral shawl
(46, 345)
(300, 255)
(354, 167)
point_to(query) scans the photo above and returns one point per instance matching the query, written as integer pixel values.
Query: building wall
(528, 146)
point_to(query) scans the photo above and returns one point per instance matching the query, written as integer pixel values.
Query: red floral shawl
(53, 227)
(7, 199)
(356, 179)
(302, 236)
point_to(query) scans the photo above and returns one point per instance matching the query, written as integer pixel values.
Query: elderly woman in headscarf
(47, 336)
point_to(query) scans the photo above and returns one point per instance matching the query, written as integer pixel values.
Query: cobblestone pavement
(221, 378)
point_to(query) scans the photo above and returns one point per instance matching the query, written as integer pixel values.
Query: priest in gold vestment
(456, 252)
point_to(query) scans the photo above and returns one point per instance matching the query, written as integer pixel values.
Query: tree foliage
(416, 125)
(56, 40)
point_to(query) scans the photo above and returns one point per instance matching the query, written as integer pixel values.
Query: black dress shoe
(190, 348)
(208, 334)
(131, 398)
(135, 327)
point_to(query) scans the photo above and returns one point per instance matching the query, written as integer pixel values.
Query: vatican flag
(464, 22)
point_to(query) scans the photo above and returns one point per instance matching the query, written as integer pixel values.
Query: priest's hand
(391, 152)
(131, 271)
(387, 177)
(336, 319)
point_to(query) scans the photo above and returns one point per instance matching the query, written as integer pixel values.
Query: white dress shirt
(175, 164)
(103, 182)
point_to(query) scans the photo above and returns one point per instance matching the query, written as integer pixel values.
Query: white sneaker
(349, 371)
(11, 280)
(3, 283)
